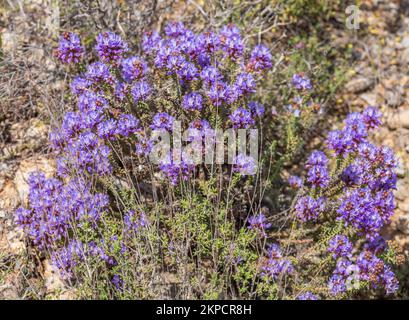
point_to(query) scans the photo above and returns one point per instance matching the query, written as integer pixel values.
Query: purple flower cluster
(318, 174)
(301, 82)
(295, 182)
(260, 59)
(188, 56)
(209, 69)
(134, 68)
(259, 223)
(162, 121)
(276, 265)
(241, 119)
(340, 247)
(309, 209)
(110, 47)
(366, 210)
(193, 101)
(307, 296)
(134, 221)
(70, 49)
(174, 170)
(54, 208)
(368, 268)
(244, 165)
(355, 131)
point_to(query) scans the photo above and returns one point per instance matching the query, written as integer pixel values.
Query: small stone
(393, 98)
(53, 282)
(9, 41)
(369, 98)
(401, 192)
(404, 57)
(359, 84)
(15, 241)
(399, 119)
(401, 169)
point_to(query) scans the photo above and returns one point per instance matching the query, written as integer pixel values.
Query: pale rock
(369, 98)
(52, 280)
(8, 196)
(404, 57)
(401, 192)
(15, 241)
(9, 41)
(399, 119)
(394, 98)
(28, 166)
(359, 84)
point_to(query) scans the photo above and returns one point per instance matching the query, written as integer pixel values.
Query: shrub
(117, 224)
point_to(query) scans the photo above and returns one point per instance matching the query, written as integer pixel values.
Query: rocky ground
(29, 83)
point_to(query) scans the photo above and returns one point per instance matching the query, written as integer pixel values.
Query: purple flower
(337, 284)
(301, 82)
(307, 296)
(127, 124)
(366, 210)
(259, 223)
(276, 265)
(295, 182)
(340, 246)
(260, 59)
(98, 73)
(192, 101)
(70, 49)
(308, 209)
(209, 41)
(372, 117)
(120, 91)
(231, 42)
(317, 158)
(110, 47)
(340, 142)
(175, 29)
(187, 71)
(134, 221)
(245, 83)
(241, 118)
(90, 101)
(256, 108)
(318, 176)
(150, 41)
(351, 175)
(79, 85)
(144, 146)
(199, 129)
(374, 270)
(211, 75)
(107, 129)
(117, 282)
(355, 127)
(245, 165)
(141, 91)
(133, 68)
(174, 170)
(218, 93)
(162, 120)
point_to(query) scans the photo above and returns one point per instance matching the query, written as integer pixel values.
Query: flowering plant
(118, 225)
